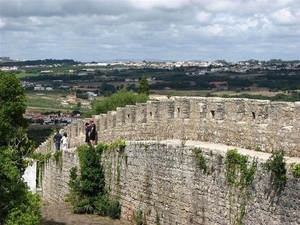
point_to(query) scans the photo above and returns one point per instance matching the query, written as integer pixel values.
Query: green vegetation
(200, 159)
(274, 75)
(12, 108)
(44, 103)
(39, 134)
(157, 219)
(88, 193)
(296, 169)
(144, 86)
(18, 205)
(237, 173)
(276, 165)
(26, 211)
(239, 177)
(293, 96)
(139, 217)
(58, 158)
(41, 159)
(118, 145)
(119, 99)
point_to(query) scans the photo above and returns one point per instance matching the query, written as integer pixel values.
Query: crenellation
(170, 109)
(161, 173)
(182, 107)
(120, 117)
(197, 109)
(152, 111)
(164, 110)
(130, 114)
(73, 130)
(141, 113)
(102, 123)
(111, 119)
(81, 127)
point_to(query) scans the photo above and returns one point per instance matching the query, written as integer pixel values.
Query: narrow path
(61, 214)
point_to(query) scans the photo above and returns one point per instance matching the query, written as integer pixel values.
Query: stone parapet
(253, 124)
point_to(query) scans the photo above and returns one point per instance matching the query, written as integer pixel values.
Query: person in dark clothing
(92, 132)
(57, 138)
(87, 131)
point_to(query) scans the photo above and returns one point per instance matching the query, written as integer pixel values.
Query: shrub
(296, 169)
(27, 212)
(276, 165)
(87, 190)
(119, 99)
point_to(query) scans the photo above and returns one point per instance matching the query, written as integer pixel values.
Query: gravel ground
(61, 214)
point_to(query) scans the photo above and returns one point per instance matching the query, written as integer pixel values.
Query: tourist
(87, 131)
(57, 138)
(92, 132)
(65, 141)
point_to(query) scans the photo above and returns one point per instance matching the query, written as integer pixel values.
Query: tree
(12, 108)
(18, 205)
(105, 87)
(144, 86)
(119, 99)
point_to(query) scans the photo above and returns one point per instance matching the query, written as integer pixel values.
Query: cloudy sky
(181, 30)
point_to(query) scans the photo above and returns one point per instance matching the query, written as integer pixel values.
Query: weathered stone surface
(254, 124)
(159, 173)
(162, 180)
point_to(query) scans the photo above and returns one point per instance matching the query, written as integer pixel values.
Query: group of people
(90, 133)
(62, 141)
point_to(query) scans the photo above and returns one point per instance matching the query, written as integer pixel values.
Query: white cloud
(2, 23)
(286, 17)
(203, 17)
(90, 30)
(165, 4)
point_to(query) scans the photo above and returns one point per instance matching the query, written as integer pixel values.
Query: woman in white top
(64, 142)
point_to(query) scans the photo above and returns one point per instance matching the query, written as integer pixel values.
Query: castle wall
(252, 124)
(163, 181)
(160, 176)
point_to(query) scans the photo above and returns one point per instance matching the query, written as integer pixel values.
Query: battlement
(259, 125)
(158, 170)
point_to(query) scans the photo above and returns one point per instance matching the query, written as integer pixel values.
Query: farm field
(49, 101)
(253, 91)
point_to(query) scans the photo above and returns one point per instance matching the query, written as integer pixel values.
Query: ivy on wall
(296, 169)
(41, 159)
(276, 165)
(238, 177)
(58, 159)
(201, 161)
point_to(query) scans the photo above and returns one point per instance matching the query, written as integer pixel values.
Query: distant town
(204, 67)
(84, 81)
(61, 91)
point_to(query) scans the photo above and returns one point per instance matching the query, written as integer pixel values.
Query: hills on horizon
(9, 60)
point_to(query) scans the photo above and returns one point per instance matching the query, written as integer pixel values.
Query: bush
(87, 190)
(114, 209)
(26, 213)
(119, 99)
(296, 169)
(276, 165)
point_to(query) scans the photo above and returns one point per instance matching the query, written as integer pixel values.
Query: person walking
(92, 132)
(65, 141)
(57, 138)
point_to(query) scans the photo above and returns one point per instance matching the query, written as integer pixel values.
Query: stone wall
(164, 182)
(252, 124)
(160, 176)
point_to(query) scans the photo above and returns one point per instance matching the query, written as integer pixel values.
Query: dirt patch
(61, 214)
